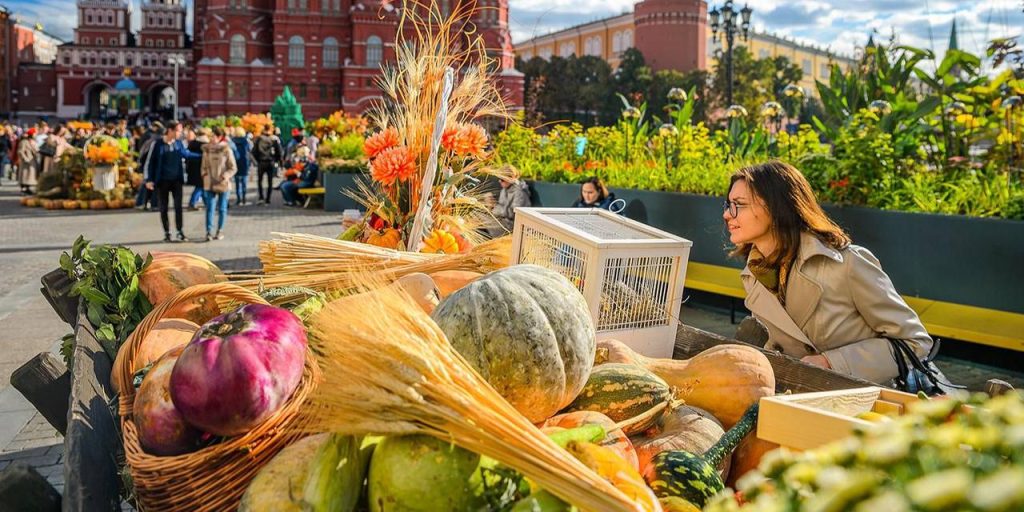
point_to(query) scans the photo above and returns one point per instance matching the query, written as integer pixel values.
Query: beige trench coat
(218, 167)
(28, 162)
(838, 304)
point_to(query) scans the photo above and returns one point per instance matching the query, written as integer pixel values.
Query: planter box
(335, 186)
(949, 258)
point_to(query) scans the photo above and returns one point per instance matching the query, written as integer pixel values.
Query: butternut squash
(724, 380)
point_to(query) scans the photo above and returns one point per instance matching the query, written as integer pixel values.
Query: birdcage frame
(630, 274)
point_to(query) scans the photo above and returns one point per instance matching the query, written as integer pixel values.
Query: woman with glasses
(821, 298)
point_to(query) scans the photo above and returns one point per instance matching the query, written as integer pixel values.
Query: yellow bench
(310, 193)
(992, 327)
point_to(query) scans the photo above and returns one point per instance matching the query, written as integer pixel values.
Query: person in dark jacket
(193, 168)
(593, 194)
(145, 199)
(267, 153)
(165, 173)
(243, 146)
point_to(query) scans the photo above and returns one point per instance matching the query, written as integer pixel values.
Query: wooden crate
(809, 420)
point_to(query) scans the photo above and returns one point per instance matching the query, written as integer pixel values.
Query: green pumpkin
(692, 477)
(527, 330)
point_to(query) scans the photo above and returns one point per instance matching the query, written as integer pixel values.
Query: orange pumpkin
(389, 238)
(615, 439)
(168, 333)
(171, 272)
(98, 204)
(70, 204)
(450, 281)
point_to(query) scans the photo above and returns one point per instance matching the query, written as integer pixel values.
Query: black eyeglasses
(732, 207)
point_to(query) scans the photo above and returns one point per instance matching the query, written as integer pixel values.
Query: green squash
(692, 477)
(527, 330)
(420, 473)
(622, 391)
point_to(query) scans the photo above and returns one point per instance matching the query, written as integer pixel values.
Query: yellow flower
(440, 242)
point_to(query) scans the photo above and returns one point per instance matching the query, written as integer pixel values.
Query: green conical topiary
(287, 113)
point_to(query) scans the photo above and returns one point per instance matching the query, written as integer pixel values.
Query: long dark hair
(602, 191)
(790, 202)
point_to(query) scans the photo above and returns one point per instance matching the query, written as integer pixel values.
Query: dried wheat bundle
(388, 369)
(325, 264)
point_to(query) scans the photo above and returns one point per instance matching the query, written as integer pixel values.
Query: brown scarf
(774, 278)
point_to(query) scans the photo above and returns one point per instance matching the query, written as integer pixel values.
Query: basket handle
(124, 372)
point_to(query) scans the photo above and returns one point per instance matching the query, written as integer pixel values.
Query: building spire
(953, 45)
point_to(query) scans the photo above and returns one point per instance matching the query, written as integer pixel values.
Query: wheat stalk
(389, 369)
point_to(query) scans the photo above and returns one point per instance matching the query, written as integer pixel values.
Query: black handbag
(917, 375)
(48, 149)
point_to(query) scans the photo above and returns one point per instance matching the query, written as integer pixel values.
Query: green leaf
(124, 300)
(126, 261)
(95, 314)
(67, 265)
(94, 296)
(80, 245)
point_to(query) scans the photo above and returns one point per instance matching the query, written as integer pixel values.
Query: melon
(527, 330)
(171, 272)
(421, 473)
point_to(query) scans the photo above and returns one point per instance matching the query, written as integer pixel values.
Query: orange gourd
(684, 428)
(168, 333)
(171, 272)
(615, 439)
(724, 380)
(748, 456)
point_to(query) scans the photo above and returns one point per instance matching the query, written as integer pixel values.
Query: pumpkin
(748, 457)
(615, 439)
(622, 392)
(127, 203)
(723, 380)
(171, 272)
(695, 477)
(83, 204)
(168, 333)
(684, 428)
(528, 331)
(98, 204)
(70, 204)
(24, 200)
(450, 281)
(389, 238)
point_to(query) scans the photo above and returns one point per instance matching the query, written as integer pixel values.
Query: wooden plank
(56, 289)
(23, 489)
(790, 373)
(46, 383)
(92, 445)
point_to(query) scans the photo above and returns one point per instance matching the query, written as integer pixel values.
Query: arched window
(374, 51)
(330, 53)
(617, 42)
(296, 52)
(627, 40)
(291, 5)
(238, 49)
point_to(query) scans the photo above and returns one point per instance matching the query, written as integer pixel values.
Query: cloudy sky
(841, 25)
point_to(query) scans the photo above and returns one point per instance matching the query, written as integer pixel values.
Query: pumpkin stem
(725, 446)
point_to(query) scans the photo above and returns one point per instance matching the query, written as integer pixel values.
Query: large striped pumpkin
(528, 331)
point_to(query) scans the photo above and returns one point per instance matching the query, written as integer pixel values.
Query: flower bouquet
(255, 123)
(102, 154)
(429, 154)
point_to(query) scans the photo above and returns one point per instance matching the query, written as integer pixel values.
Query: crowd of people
(214, 161)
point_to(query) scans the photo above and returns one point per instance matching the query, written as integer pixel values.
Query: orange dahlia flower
(448, 138)
(393, 164)
(380, 141)
(470, 140)
(440, 242)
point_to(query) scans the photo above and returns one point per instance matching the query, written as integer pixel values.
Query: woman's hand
(817, 360)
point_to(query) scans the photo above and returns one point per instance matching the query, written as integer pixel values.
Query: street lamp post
(730, 26)
(175, 60)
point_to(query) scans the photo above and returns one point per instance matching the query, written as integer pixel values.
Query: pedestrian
(5, 152)
(193, 168)
(146, 199)
(307, 177)
(267, 153)
(218, 168)
(514, 194)
(28, 161)
(593, 194)
(242, 149)
(55, 145)
(166, 175)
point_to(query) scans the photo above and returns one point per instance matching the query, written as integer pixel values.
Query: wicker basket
(214, 478)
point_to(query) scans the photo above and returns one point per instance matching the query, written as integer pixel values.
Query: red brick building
(27, 54)
(105, 50)
(328, 51)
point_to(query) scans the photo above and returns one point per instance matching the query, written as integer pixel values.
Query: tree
(666, 80)
(755, 81)
(633, 77)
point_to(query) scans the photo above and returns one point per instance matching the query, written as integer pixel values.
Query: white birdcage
(630, 274)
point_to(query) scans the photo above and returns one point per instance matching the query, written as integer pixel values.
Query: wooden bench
(310, 193)
(992, 327)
